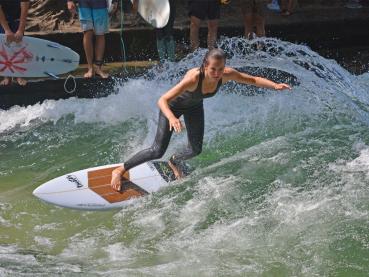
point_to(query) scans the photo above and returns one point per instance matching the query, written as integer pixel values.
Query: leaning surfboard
(155, 12)
(90, 189)
(34, 57)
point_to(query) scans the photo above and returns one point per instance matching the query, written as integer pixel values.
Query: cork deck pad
(90, 189)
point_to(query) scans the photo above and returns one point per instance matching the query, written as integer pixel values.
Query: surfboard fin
(57, 46)
(67, 61)
(52, 75)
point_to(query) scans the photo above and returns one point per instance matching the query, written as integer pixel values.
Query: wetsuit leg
(160, 145)
(194, 121)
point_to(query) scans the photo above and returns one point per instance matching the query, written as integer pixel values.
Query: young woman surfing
(186, 98)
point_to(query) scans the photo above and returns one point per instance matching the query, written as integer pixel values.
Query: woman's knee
(157, 152)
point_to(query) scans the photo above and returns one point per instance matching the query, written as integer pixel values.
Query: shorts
(94, 19)
(203, 9)
(253, 6)
(13, 25)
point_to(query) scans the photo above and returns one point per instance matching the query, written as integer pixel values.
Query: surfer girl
(186, 98)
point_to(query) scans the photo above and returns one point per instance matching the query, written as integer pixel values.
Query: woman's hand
(175, 124)
(116, 178)
(281, 86)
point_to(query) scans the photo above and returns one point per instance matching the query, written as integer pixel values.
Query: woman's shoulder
(191, 79)
(192, 75)
(229, 73)
(229, 70)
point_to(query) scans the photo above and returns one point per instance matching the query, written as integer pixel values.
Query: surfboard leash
(122, 45)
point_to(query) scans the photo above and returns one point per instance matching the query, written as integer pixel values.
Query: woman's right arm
(187, 83)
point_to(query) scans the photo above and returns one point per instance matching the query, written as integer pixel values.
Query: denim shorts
(94, 19)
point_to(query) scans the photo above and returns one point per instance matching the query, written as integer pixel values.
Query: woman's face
(215, 69)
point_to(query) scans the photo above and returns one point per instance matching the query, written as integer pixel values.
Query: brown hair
(216, 53)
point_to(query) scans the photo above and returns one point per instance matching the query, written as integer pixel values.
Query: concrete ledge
(321, 28)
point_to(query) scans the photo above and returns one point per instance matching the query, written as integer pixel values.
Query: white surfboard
(35, 57)
(90, 189)
(155, 12)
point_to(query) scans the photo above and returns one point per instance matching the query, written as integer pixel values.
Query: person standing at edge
(94, 18)
(254, 16)
(164, 37)
(13, 17)
(186, 98)
(200, 10)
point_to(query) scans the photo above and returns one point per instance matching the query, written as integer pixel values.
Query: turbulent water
(281, 188)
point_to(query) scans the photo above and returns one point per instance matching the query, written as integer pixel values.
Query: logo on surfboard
(74, 179)
(14, 61)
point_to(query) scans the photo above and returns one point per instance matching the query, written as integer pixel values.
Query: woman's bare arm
(188, 83)
(231, 74)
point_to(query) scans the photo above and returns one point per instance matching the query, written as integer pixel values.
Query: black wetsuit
(190, 105)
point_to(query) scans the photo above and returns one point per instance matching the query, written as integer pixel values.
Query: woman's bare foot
(21, 81)
(116, 178)
(90, 73)
(177, 172)
(6, 81)
(101, 73)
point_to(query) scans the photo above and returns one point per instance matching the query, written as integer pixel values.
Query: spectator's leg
(212, 33)
(160, 44)
(171, 49)
(260, 26)
(291, 5)
(194, 32)
(212, 8)
(101, 27)
(86, 19)
(99, 56)
(170, 44)
(20, 25)
(283, 6)
(260, 19)
(14, 26)
(248, 20)
(89, 52)
(247, 8)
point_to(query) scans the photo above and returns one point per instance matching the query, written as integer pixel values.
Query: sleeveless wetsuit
(190, 105)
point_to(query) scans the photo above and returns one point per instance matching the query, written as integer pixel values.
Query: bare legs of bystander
(194, 32)
(99, 54)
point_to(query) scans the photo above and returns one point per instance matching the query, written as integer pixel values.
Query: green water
(281, 188)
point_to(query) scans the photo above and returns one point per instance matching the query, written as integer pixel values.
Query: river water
(281, 188)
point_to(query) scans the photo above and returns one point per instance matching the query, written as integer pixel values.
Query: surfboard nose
(39, 191)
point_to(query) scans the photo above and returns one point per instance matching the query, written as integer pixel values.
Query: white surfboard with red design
(90, 189)
(34, 57)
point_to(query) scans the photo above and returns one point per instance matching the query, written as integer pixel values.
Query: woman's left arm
(234, 75)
